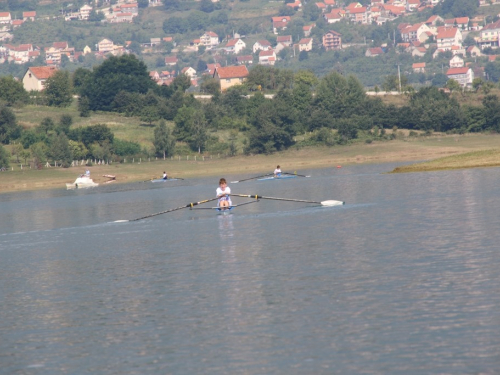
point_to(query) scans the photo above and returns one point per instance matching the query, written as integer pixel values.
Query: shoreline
(431, 153)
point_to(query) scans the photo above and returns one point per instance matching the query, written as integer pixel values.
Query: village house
(105, 46)
(261, 45)
(211, 69)
(154, 75)
(29, 16)
(53, 56)
(280, 23)
(285, 40)
(461, 22)
(171, 60)
(359, 15)
(412, 5)
(295, 5)
(305, 44)
(19, 54)
(235, 46)
(321, 6)
(5, 18)
(244, 60)
(434, 20)
(464, 76)
(122, 17)
(474, 51)
(456, 62)
(190, 72)
(418, 51)
(332, 17)
(307, 30)
(489, 35)
(418, 32)
(418, 67)
(164, 74)
(130, 8)
(332, 40)
(85, 12)
(267, 57)
(35, 77)
(376, 51)
(230, 76)
(209, 39)
(448, 37)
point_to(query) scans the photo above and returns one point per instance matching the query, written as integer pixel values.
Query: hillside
(185, 22)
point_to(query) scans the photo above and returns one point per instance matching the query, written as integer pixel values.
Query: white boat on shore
(81, 182)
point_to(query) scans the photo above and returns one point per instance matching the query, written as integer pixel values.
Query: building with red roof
(229, 76)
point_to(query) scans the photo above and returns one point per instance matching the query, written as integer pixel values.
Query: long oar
(251, 178)
(323, 203)
(171, 210)
(295, 174)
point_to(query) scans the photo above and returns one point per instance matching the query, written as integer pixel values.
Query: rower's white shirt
(227, 190)
(277, 171)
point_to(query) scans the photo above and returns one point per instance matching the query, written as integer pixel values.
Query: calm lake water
(403, 279)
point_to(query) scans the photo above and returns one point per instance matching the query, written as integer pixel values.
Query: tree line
(334, 108)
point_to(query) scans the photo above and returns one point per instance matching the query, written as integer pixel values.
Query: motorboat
(83, 181)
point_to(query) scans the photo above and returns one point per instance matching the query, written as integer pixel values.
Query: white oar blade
(120, 221)
(332, 203)
(234, 182)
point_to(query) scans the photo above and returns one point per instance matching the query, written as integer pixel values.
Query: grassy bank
(483, 150)
(475, 159)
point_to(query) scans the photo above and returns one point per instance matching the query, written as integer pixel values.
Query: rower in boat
(223, 195)
(165, 175)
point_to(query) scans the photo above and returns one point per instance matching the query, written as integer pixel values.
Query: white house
(456, 62)
(448, 37)
(209, 39)
(35, 77)
(267, 57)
(464, 76)
(235, 46)
(261, 45)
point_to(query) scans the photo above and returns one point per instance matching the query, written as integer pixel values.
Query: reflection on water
(403, 278)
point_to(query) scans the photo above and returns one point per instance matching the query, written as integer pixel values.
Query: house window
(228, 80)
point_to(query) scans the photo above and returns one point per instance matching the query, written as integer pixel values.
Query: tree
(12, 92)
(182, 82)
(199, 135)
(59, 89)
(4, 158)
(207, 6)
(84, 106)
(80, 77)
(453, 85)
(163, 141)
(124, 73)
(46, 125)
(39, 152)
(78, 149)
(60, 151)
(9, 129)
(64, 124)
(150, 114)
(99, 133)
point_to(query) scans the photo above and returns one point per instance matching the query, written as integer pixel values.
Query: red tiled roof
(42, 72)
(226, 72)
(453, 71)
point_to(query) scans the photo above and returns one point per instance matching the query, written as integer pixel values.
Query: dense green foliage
(116, 74)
